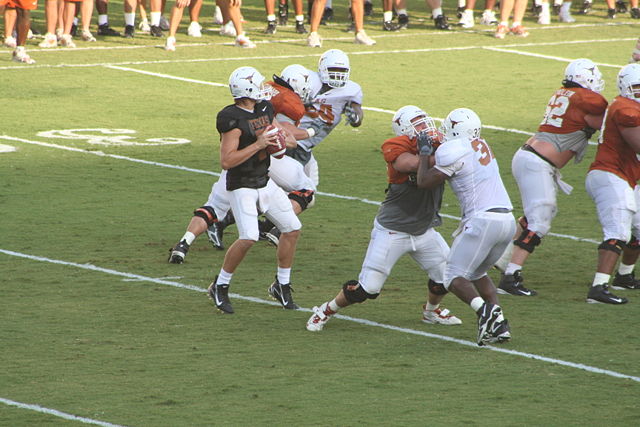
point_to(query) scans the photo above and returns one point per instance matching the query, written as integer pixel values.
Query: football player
(612, 183)
(487, 225)
(243, 155)
(404, 225)
(573, 114)
(287, 94)
(21, 11)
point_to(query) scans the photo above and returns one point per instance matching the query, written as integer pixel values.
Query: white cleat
(244, 42)
(67, 41)
(217, 17)
(144, 27)
(21, 55)
(228, 29)
(363, 38)
(439, 316)
(317, 321)
(314, 40)
(170, 44)
(87, 36)
(10, 42)
(466, 20)
(488, 18)
(194, 30)
(50, 40)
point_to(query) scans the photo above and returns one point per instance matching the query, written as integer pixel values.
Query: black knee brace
(613, 245)
(207, 213)
(528, 240)
(354, 293)
(303, 197)
(437, 288)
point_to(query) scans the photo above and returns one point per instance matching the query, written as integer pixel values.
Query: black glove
(425, 144)
(350, 115)
(589, 131)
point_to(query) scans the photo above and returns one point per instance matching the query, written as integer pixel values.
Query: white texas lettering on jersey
(325, 112)
(474, 175)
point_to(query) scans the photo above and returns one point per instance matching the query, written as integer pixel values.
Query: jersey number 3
(555, 110)
(485, 152)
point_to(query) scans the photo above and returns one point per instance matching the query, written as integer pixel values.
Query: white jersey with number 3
(474, 175)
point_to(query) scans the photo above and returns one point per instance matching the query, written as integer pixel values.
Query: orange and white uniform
(612, 181)
(562, 135)
(20, 4)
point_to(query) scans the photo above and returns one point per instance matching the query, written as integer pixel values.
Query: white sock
(299, 18)
(476, 303)
(401, 12)
(387, 16)
(462, 3)
(103, 19)
(625, 269)
(284, 275)
(436, 12)
(601, 279)
(224, 278)
(271, 17)
(565, 8)
(155, 18)
(130, 18)
(516, 24)
(545, 7)
(512, 268)
(328, 4)
(333, 305)
(189, 237)
(431, 307)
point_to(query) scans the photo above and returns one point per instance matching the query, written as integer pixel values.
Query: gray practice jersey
(409, 209)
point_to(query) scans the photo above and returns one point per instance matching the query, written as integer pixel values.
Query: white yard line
(206, 172)
(175, 284)
(315, 53)
(56, 413)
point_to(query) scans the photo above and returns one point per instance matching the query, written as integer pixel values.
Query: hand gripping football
(276, 151)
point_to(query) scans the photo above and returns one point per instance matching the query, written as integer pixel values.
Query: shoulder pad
(452, 151)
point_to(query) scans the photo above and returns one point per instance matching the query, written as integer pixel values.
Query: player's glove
(426, 144)
(350, 115)
(589, 131)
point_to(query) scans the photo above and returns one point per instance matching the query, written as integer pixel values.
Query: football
(276, 151)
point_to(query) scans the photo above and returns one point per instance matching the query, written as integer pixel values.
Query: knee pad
(613, 245)
(305, 198)
(633, 243)
(354, 293)
(207, 213)
(437, 288)
(528, 240)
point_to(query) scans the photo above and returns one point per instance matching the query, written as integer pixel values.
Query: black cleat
(556, 9)
(600, 293)
(368, 9)
(403, 22)
(621, 6)
(441, 22)
(488, 315)
(283, 13)
(74, 30)
(625, 281)
(327, 15)
(536, 9)
(586, 8)
(460, 11)
(128, 31)
(390, 26)
(155, 31)
(282, 294)
(215, 233)
(273, 236)
(611, 14)
(300, 29)
(178, 253)
(106, 30)
(635, 13)
(513, 284)
(501, 332)
(271, 27)
(219, 294)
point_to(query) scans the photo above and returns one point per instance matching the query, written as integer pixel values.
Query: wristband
(311, 132)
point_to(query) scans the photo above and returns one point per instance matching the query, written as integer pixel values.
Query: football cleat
(144, 26)
(625, 281)
(519, 31)
(635, 13)
(601, 294)
(512, 284)
(106, 30)
(272, 236)
(300, 29)
(178, 253)
(536, 9)
(87, 36)
(228, 29)
(441, 23)
(155, 31)
(50, 40)
(314, 40)
(390, 26)
(319, 318)
(129, 31)
(20, 55)
(219, 294)
(67, 41)
(439, 316)
(586, 8)
(170, 44)
(459, 11)
(282, 294)
(501, 332)
(621, 6)
(244, 42)
(403, 22)
(363, 38)
(164, 24)
(544, 18)
(215, 233)
(283, 13)
(565, 16)
(467, 21)
(487, 316)
(488, 18)
(271, 27)
(611, 14)
(368, 8)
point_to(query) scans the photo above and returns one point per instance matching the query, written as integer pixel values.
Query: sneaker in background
(244, 42)
(271, 27)
(314, 40)
(20, 55)
(519, 31)
(195, 29)
(466, 21)
(363, 38)
(319, 318)
(106, 30)
(488, 18)
(170, 46)
(50, 40)
(228, 29)
(129, 31)
(67, 41)
(512, 284)
(625, 281)
(87, 36)
(501, 31)
(441, 23)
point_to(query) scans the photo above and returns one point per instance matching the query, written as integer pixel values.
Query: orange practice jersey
(20, 4)
(391, 149)
(614, 154)
(567, 108)
(287, 102)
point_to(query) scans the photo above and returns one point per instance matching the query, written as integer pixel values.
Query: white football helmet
(411, 121)
(247, 82)
(629, 81)
(299, 78)
(585, 73)
(461, 123)
(334, 68)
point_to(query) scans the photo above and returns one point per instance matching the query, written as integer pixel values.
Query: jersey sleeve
(289, 104)
(225, 122)
(627, 117)
(593, 103)
(449, 154)
(394, 147)
(356, 93)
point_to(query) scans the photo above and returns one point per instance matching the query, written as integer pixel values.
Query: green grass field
(96, 327)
